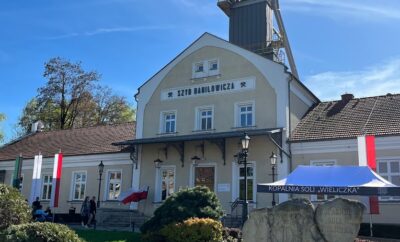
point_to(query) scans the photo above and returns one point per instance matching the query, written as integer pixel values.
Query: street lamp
(272, 159)
(195, 160)
(242, 159)
(101, 169)
(157, 163)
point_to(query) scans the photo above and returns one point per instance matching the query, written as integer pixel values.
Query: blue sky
(339, 46)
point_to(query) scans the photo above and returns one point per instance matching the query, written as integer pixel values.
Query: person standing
(92, 216)
(85, 210)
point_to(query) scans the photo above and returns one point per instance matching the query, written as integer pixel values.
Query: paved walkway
(102, 228)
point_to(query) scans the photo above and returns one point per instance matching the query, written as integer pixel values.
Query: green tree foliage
(71, 98)
(193, 230)
(39, 232)
(13, 207)
(197, 202)
(2, 118)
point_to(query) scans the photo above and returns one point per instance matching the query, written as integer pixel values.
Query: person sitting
(40, 215)
(49, 217)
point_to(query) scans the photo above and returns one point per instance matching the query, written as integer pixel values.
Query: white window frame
(163, 121)
(207, 71)
(49, 184)
(325, 162)
(158, 186)
(389, 175)
(208, 164)
(236, 181)
(237, 113)
(72, 192)
(107, 187)
(198, 117)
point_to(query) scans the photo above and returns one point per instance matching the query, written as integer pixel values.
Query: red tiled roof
(341, 119)
(80, 141)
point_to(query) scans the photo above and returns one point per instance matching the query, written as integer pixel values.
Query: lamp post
(243, 160)
(157, 163)
(195, 160)
(272, 159)
(101, 169)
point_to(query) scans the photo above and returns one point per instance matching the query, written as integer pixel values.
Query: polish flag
(133, 195)
(58, 162)
(36, 179)
(367, 157)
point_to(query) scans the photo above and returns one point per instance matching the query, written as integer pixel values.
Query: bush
(193, 230)
(13, 207)
(197, 202)
(232, 235)
(39, 232)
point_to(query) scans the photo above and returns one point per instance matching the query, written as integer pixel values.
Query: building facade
(327, 136)
(200, 105)
(83, 149)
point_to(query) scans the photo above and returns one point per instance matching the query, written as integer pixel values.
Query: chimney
(37, 126)
(347, 97)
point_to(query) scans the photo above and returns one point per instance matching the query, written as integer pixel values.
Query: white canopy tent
(336, 180)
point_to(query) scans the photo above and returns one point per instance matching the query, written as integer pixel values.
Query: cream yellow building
(201, 104)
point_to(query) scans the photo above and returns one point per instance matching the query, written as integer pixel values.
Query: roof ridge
(87, 127)
(386, 95)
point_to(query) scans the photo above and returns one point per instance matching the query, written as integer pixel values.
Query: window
(245, 114)
(199, 67)
(205, 68)
(114, 185)
(47, 187)
(390, 170)
(168, 122)
(322, 197)
(250, 182)
(205, 118)
(167, 182)
(79, 185)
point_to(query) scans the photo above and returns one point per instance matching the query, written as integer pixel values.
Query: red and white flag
(367, 157)
(58, 162)
(36, 179)
(133, 195)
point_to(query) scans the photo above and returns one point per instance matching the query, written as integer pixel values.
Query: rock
(339, 220)
(291, 221)
(256, 227)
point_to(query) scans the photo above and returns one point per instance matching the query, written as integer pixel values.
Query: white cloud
(365, 10)
(380, 79)
(108, 30)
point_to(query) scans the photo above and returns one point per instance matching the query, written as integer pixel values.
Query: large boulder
(339, 220)
(297, 221)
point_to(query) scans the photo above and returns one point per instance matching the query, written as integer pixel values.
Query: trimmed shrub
(197, 202)
(13, 207)
(39, 232)
(193, 230)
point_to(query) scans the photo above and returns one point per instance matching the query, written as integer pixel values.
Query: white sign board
(213, 88)
(224, 187)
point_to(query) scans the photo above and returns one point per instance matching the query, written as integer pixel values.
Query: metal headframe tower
(251, 27)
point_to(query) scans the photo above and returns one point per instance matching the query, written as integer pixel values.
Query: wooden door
(204, 176)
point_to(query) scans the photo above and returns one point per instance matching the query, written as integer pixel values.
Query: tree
(70, 98)
(2, 118)
(66, 88)
(197, 202)
(111, 108)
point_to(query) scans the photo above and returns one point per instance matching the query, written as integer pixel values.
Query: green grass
(108, 236)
